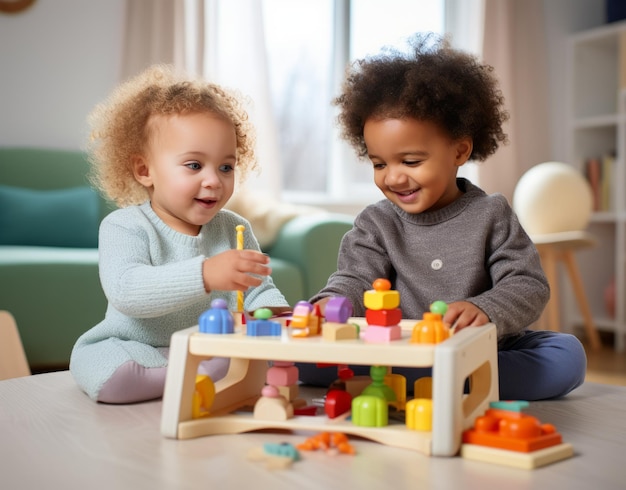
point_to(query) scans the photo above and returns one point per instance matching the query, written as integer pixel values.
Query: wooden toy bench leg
(468, 353)
(241, 385)
(180, 384)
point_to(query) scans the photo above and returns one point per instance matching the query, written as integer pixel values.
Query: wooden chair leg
(581, 297)
(551, 318)
(13, 362)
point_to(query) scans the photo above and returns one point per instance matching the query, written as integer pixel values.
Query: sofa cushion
(54, 218)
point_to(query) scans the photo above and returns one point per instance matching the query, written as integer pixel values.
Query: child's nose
(210, 178)
(396, 175)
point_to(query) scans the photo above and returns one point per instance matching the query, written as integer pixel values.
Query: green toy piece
(439, 307)
(262, 314)
(378, 386)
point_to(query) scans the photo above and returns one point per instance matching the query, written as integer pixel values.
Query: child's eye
(379, 166)
(193, 165)
(411, 162)
(227, 167)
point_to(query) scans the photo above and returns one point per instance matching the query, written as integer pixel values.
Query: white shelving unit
(597, 125)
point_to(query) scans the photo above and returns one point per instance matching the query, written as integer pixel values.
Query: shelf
(596, 89)
(606, 120)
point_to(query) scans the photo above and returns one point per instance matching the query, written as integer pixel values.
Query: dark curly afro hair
(431, 82)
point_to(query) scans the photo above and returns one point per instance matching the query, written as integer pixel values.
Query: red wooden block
(383, 318)
(337, 402)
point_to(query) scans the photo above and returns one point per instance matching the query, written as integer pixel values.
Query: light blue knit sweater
(152, 278)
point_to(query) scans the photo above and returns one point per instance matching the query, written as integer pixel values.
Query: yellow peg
(240, 229)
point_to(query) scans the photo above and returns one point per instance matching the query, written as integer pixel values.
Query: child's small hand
(232, 270)
(463, 314)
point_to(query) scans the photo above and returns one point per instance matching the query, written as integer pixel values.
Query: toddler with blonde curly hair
(166, 148)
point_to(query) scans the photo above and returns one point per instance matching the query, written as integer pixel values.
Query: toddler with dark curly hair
(419, 117)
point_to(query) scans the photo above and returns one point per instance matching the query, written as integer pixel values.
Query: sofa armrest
(312, 242)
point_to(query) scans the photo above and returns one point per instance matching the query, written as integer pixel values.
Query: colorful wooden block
(384, 318)
(382, 297)
(378, 334)
(430, 330)
(263, 328)
(217, 319)
(370, 411)
(337, 403)
(282, 376)
(419, 414)
(338, 309)
(272, 406)
(517, 459)
(333, 332)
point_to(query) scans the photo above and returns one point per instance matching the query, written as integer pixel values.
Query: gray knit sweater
(152, 278)
(473, 249)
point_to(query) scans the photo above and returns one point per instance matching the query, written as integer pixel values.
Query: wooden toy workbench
(472, 352)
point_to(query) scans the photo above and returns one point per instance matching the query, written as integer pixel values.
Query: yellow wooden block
(528, 461)
(381, 300)
(423, 387)
(333, 332)
(419, 414)
(397, 382)
(203, 396)
(290, 392)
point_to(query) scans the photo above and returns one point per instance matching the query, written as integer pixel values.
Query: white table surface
(53, 437)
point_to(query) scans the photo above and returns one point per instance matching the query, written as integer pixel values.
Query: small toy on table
(261, 325)
(431, 329)
(306, 320)
(217, 319)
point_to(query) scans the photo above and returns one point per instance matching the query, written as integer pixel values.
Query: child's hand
(463, 314)
(231, 270)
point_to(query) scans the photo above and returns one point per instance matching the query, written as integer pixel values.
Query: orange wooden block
(514, 431)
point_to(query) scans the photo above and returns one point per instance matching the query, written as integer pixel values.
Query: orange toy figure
(329, 442)
(431, 329)
(306, 319)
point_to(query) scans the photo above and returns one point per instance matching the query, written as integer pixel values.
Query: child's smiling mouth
(207, 203)
(407, 196)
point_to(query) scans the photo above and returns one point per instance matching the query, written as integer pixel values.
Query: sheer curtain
(158, 31)
(155, 32)
(517, 51)
(232, 52)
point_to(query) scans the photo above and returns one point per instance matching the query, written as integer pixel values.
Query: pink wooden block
(282, 376)
(378, 334)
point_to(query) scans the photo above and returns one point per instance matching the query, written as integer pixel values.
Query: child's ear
(464, 148)
(141, 171)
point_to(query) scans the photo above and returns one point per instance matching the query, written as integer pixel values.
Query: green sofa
(49, 218)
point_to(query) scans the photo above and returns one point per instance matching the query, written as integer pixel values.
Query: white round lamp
(553, 197)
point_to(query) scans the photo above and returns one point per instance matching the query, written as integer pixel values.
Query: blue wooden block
(261, 328)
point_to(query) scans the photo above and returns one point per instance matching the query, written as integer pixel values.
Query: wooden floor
(606, 365)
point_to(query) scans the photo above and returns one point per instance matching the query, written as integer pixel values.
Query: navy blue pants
(537, 365)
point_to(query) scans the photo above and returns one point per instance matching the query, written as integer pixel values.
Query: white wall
(61, 57)
(561, 18)
(57, 60)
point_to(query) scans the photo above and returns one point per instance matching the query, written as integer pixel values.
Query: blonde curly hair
(120, 129)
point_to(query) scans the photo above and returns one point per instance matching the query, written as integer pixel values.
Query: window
(309, 43)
